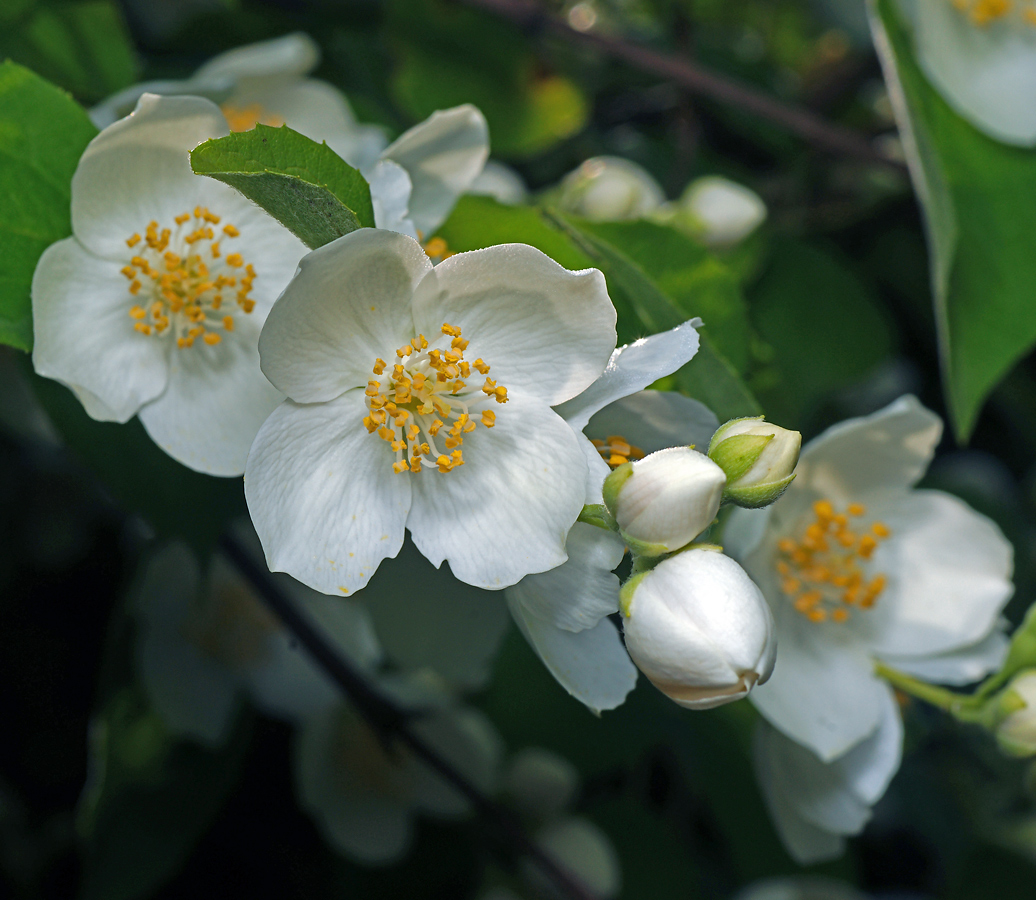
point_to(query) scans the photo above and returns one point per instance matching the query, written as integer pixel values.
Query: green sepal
(305, 186)
(626, 592)
(719, 435)
(736, 455)
(644, 549)
(759, 495)
(598, 515)
(613, 484)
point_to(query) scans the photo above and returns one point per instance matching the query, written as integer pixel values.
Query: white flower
(607, 188)
(205, 645)
(699, 628)
(858, 567)
(154, 306)
(420, 397)
(718, 211)
(981, 56)
(365, 797)
(267, 83)
(563, 613)
(665, 500)
(1017, 731)
(769, 452)
(803, 887)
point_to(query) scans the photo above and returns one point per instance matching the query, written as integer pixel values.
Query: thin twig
(389, 718)
(697, 79)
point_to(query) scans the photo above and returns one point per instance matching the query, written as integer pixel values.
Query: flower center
(425, 397)
(982, 13)
(823, 573)
(245, 118)
(437, 250)
(616, 450)
(181, 279)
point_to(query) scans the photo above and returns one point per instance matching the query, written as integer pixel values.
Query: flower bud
(665, 500)
(1017, 730)
(698, 627)
(609, 188)
(721, 212)
(758, 458)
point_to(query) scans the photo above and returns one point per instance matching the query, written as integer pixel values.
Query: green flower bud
(758, 458)
(1016, 731)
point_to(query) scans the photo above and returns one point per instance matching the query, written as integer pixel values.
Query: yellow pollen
(823, 572)
(179, 290)
(425, 397)
(437, 249)
(245, 118)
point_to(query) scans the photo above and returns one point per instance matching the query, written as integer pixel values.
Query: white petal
(352, 789)
(390, 197)
(964, 666)
(213, 404)
(987, 74)
(632, 368)
(507, 511)
(582, 849)
(293, 54)
(889, 449)
(805, 842)
(654, 420)
(322, 494)
(122, 103)
(443, 155)
(426, 618)
(823, 692)
(542, 329)
(578, 593)
(744, 530)
(348, 305)
(195, 696)
(139, 169)
(596, 471)
(592, 665)
(949, 575)
(837, 796)
(500, 182)
(84, 335)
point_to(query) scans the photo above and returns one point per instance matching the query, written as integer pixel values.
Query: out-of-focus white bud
(608, 188)
(698, 627)
(665, 500)
(1016, 732)
(720, 212)
(758, 458)
(579, 847)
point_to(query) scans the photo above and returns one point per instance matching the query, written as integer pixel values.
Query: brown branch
(389, 719)
(698, 80)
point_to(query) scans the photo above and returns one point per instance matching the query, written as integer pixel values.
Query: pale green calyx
(1016, 708)
(758, 459)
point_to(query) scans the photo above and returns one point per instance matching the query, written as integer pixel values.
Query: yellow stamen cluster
(437, 250)
(983, 13)
(424, 397)
(823, 573)
(616, 450)
(245, 118)
(181, 278)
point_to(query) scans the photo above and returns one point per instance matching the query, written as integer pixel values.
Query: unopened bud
(609, 188)
(721, 212)
(758, 458)
(665, 500)
(698, 627)
(1016, 732)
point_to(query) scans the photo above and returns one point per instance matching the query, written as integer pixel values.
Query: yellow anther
(142, 327)
(880, 529)
(400, 466)
(856, 510)
(488, 418)
(451, 330)
(824, 510)
(230, 231)
(228, 323)
(211, 338)
(482, 368)
(415, 463)
(235, 259)
(839, 615)
(134, 287)
(379, 366)
(133, 241)
(137, 312)
(403, 352)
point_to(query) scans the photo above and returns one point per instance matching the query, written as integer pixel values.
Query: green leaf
(824, 327)
(306, 186)
(83, 47)
(43, 132)
(979, 202)
(709, 377)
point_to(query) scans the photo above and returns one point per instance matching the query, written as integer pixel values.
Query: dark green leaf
(84, 47)
(43, 132)
(824, 327)
(709, 376)
(979, 201)
(306, 186)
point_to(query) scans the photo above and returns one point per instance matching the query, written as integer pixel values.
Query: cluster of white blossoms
(394, 406)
